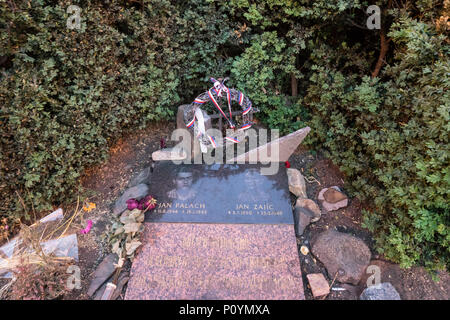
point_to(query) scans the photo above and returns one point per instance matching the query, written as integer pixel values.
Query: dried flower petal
(132, 204)
(88, 227)
(89, 207)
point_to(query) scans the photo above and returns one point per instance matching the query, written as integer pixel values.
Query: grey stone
(139, 191)
(382, 291)
(296, 182)
(169, 154)
(100, 291)
(302, 218)
(180, 116)
(343, 254)
(310, 205)
(278, 150)
(123, 280)
(142, 177)
(104, 270)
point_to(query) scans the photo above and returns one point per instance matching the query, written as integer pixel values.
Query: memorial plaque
(219, 193)
(216, 261)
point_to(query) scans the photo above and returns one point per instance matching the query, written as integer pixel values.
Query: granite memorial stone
(219, 193)
(202, 261)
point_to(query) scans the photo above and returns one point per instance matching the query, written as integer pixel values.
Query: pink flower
(88, 227)
(132, 204)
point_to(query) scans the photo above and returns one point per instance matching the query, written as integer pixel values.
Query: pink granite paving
(216, 261)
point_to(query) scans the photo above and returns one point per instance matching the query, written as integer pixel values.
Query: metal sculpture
(194, 119)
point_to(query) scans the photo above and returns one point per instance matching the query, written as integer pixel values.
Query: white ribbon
(200, 123)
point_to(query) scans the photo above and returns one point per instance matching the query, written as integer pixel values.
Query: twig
(68, 221)
(116, 275)
(32, 205)
(71, 219)
(312, 179)
(356, 25)
(332, 282)
(22, 203)
(5, 288)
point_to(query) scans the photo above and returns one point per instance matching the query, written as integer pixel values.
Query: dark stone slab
(219, 193)
(216, 261)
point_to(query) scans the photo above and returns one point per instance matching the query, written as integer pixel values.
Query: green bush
(69, 94)
(388, 134)
(391, 138)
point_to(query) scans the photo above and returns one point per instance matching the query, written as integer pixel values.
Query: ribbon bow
(219, 86)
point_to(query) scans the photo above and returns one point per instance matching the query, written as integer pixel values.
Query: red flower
(287, 164)
(132, 204)
(162, 143)
(147, 203)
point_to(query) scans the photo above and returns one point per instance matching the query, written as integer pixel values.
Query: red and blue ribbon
(191, 123)
(213, 141)
(234, 140)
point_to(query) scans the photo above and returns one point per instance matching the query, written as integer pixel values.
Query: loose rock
(328, 206)
(102, 273)
(312, 206)
(169, 154)
(343, 254)
(296, 182)
(302, 218)
(304, 250)
(123, 280)
(382, 291)
(100, 291)
(319, 285)
(136, 192)
(332, 195)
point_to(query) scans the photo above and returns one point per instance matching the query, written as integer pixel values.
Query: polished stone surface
(203, 261)
(219, 193)
(278, 150)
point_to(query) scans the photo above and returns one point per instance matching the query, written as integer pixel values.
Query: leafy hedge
(67, 95)
(391, 137)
